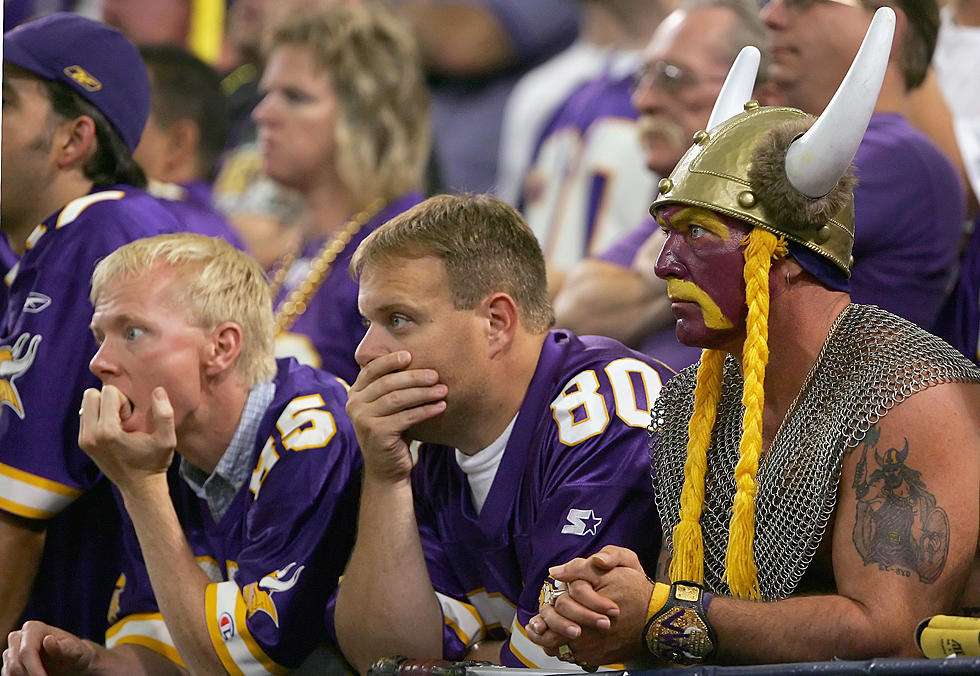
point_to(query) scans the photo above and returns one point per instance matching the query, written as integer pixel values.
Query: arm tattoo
(898, 525)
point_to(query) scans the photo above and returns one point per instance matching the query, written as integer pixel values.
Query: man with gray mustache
(616, 294)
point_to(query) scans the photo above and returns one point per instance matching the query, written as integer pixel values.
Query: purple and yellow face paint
(702, 261)
(679, 290)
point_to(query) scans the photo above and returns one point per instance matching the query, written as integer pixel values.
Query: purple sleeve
(624, 251)
(452, 596)
(538, 28)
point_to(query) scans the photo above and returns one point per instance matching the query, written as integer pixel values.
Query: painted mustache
(714, 318)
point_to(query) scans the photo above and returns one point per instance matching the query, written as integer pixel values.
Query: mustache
(653, 127)
(714, 318)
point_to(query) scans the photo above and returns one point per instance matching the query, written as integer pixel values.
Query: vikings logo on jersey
(257, 599)
(15, 361)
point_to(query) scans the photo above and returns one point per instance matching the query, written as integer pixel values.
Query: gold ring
(565, 653)
(550, 592)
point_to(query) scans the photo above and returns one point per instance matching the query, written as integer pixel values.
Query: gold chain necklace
(299, 298)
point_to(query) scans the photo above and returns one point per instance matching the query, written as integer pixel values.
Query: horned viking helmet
(771, 168)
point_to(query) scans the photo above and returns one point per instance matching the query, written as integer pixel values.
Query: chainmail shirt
(871, 362)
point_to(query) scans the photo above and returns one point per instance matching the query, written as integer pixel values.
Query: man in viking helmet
(758, 484)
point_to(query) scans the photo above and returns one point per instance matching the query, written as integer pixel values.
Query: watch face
(679, 635)
(683, 592)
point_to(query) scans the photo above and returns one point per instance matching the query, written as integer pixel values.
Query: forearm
(178, 582)
(804, 629)
(605, 299)
(139, 660)
(21, 547)
(458, 39)
(386, 604)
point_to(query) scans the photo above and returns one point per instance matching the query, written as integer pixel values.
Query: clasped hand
(601, 617)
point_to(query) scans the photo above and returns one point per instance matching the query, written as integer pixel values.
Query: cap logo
(83, 78)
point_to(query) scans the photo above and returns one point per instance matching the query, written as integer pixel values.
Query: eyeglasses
(800, 5)
(668, 77)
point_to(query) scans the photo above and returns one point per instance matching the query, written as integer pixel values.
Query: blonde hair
(484, 244)
(741, 574)
(372, 62)
(218, 283)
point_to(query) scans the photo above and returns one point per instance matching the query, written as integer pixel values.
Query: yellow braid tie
(687, 563)
(741, 573)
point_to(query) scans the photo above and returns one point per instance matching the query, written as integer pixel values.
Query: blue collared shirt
(220, 487)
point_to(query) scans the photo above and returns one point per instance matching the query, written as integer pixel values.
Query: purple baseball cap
(95, 60)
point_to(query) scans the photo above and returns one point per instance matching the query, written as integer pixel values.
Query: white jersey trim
(463, 619)
(147, 630)
(32, 496)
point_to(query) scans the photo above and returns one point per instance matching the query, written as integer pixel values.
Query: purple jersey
(45, 348)
(327, 333)
(276, 554)
(906, 240)
(194, 209)
(588, 183)
(574, 477)
(959, 322)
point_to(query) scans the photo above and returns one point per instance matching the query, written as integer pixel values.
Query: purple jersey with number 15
(45, 348)
(275, 555)
(574, 477)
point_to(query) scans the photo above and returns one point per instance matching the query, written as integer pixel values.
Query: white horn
(738, 87)
(816, 161)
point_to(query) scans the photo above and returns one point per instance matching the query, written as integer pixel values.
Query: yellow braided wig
(688, 560)
(687, 563)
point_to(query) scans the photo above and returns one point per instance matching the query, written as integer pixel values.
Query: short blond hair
(484, 244)
(219, 284)
(372, 62)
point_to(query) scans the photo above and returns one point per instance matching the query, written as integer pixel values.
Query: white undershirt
(481, 467)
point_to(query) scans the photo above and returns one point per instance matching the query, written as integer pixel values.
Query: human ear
(503, 318)
(75, 141)
(223, 349)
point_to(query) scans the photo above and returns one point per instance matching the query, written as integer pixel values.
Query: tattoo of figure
(898, 522)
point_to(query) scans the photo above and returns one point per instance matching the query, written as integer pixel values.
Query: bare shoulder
(909, 497)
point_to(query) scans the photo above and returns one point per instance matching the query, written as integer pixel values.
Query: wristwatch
(679, 632)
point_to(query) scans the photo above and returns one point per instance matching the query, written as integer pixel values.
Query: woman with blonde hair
(343, 121)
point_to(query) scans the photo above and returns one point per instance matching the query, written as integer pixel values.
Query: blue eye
(133, 333)
(696, 231)
(398, 321)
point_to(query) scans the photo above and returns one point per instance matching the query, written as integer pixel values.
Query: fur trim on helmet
(791, 210)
